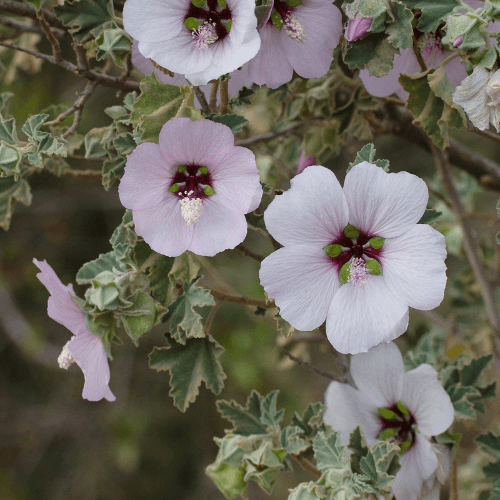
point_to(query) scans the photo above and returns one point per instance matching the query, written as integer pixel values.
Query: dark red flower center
(399, 428)
(214, 14)
(192, 181)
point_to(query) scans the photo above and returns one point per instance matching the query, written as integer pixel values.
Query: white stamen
(358, 272)
(205, 35)
(190, 208)
(294, 29)
(431, 48)
(65, 359)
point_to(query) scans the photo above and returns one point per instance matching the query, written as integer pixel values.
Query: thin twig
(453, 481)
(200, 95)
(470, 241)
(56, 48)
(483, 133)
(81, 157)
(211, 316)
(27, 10)
(306, 465)
(246, 301)
(308, 365)
(418, 54)
(78, 108)
(27, 28)
(248, 253)
(224, 97)
(213, 96)
(87, 174)
(103, 80)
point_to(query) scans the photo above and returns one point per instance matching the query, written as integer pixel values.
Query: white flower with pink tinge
(300, 39)
(405, 408)
(353, 256)
(84, 348)
(201, 42)
(191, 192)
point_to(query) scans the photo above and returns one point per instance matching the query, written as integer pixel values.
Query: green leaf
(157, 104)
(311, 422)
(400, 31)
(8, 131)
(359, 448)
(433, 13)
(185, 322)
(86, 18)
(264, 465)
(10, 160)
(328, 451)
(291, 439)
(490, 442)
(233, 121)
(381, 464)
(115, 43)
(101, 325)
(124, 238)
(269, 415)
(228, 478)
(304, 491)
(471, 372)
(12, 191)
(246, 420)
(431, 104)
(36, 3)
(430, 216)
(367, 153)
(112, 170)
(189, 365)
(139, 318)
(105, 262)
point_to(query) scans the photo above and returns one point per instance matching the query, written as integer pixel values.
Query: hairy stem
(224, 97)
(308, 365)
(202, 100)
(246, 301)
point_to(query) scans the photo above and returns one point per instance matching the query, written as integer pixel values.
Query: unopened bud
(305, 162)
(357, 27)
(458, 41)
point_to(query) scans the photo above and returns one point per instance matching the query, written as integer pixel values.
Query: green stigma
(182, 169)
(373, 265)
(387, 434)
(377, 242)
(174, 188)
(333, 250)
(222, 3)
(203, 170)
(351, 232)
(387, 414)
(276, 20)
(191, 23)
(209, 191)
(405, 446)
(198, 3)
(402, 408)
(344, 273)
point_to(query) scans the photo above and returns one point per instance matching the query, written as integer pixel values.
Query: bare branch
(78, 109)
(248, 253)
(483, 133)
(202, 100)
(246, 301)
(213, 96)
(27, 10)
(87, 174)
(56, 48)
(224, 97)
(309, 365)
(306, 465)
(10, 22)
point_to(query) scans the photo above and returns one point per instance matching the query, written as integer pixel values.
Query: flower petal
(154, 20)
(346, 408)
(163, 227)
(361, 317)
(427, 400)
(178, 54)
(147, 178)
(88, 352)
(378, 374)
(61, 307)
(414, 268)
(217, 229)
(383, 204)
(270, 66)
(417, 465)
(302, 281)
(313, 211)
(322, 23)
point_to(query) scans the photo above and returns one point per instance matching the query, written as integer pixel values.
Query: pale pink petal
(346, 408)
(383, 204)
(302, 281)
(147, 178)
(239, 79)
(217, 229)
(313, 211)
(417, 465)
(154, 20)
(61, 307)
(386, 85)
(270, 66)
(361, 317)
(178, 54)
(378, 374)
(163, 227)
(455, 69)
(256, 199)
(414, 268)
(427, 400)
(322, 23)
(88, 352)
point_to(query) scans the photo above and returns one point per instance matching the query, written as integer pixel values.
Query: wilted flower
(84, 348)
(191, 192)
(299, 37)
(479, 95)
(391, 405)
(201, 39)
(356, 256)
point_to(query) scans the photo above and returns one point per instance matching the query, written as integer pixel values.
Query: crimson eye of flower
(283, 16)
(398, 425)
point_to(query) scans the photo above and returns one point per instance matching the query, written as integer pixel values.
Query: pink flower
(303, 43)
(84, 348)
(405, 408)
(353, 256)
(201, 43)
(238, 80)
(357, 27)
(191, 192)
(305, 162)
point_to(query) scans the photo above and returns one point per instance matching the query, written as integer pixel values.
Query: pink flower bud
(458, 41)
(357, 27)
(305, 162)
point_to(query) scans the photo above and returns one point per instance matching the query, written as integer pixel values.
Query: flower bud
(305, 162)
(357, 27)
(458, 41)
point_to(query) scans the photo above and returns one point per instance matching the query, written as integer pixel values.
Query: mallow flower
(391, 405)
(85, 349)
(201, 39)
(296, 35)
(355, 256)
(192, 190)
(479, 95)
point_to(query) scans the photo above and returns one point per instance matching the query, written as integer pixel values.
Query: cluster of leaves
(258, 448)
(491, 443)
